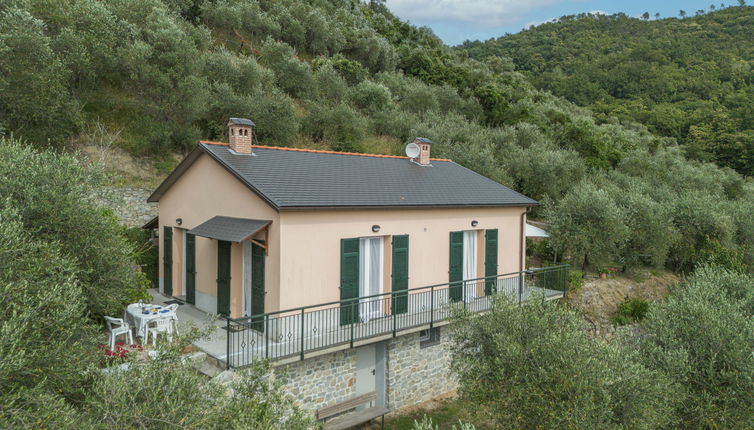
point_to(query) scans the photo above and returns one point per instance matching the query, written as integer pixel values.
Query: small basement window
(429, 337)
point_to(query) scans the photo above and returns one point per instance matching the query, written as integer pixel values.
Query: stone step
(206, 368)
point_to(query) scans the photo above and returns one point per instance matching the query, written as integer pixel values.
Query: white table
(141, 320)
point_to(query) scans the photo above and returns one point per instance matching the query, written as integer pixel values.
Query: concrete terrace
(322, 331)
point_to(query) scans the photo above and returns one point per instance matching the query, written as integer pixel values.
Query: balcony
(296, 334)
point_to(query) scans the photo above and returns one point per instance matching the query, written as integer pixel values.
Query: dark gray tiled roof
(424, 140)
(229, 229)
(242, 121)
(303, 179)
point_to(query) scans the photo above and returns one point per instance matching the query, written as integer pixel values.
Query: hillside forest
(617, 189)
(153, 76)
(690, 79)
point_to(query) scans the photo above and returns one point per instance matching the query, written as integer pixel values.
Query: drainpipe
(522, 242)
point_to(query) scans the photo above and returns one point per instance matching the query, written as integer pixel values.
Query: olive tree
(587, 225)
(533, 366)
(44, 329)
(54, 197)
(702, 337)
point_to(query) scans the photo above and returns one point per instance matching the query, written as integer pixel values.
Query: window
(429, 337)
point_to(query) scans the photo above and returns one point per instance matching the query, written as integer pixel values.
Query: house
(340, 268)
(248, 229)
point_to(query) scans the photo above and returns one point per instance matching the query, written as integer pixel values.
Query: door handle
(373, 371)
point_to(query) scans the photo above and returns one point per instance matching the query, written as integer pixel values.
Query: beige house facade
(247, 229)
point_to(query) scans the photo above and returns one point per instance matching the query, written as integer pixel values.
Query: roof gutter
(430, 206)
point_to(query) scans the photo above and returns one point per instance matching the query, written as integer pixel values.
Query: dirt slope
(599, 298)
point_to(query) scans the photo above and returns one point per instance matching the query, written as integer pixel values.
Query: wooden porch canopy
(233, 229)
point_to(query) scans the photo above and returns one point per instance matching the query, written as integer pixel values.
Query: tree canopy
(690, 79)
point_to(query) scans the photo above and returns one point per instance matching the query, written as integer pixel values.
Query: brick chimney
(239, 130)
(424, 145)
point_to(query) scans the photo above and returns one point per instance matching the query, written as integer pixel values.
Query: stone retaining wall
(320, 381)
(129, 204)
(413, 375)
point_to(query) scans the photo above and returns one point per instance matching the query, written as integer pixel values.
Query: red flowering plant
(121, 351)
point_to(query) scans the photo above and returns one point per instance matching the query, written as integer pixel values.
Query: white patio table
(143, 315)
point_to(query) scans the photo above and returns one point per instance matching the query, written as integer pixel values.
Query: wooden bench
(355, 418)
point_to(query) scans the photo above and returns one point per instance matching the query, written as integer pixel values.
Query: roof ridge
(320, 151)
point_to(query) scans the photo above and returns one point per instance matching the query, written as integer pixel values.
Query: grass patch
(444, 413)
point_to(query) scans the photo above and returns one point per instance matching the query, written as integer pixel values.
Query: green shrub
(575, 280)
(631, 311)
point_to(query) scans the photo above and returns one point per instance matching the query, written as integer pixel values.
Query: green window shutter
(490, 260)
(400, 274)
(455, 291)
(167, 261)
(191, 268)
(223, 278)
(257, 285)
(349, 281)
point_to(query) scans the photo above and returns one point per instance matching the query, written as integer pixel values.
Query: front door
(167, 261)
(223, 278)
(366, 369)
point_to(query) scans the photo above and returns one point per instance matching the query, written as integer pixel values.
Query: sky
(457, 20)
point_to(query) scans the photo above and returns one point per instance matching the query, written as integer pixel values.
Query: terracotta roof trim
(321, 151)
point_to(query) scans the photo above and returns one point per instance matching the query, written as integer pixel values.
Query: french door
(370, 280)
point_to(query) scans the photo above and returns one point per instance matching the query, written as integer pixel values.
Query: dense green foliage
(688, 364)
(348, 75)
(690, 79)
(702, 337)
(51, 372)
(533, 366)
(53, 196)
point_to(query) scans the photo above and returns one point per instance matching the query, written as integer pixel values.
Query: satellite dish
(412, 150)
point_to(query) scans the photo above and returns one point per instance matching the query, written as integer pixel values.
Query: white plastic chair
(127, 316)
(162, 326)
(118, 327)
(174, 307)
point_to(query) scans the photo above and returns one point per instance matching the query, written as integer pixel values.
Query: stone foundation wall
(415, 374)
(320, 381)
(129, 205)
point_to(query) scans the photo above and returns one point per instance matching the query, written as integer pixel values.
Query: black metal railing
(295, 332)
